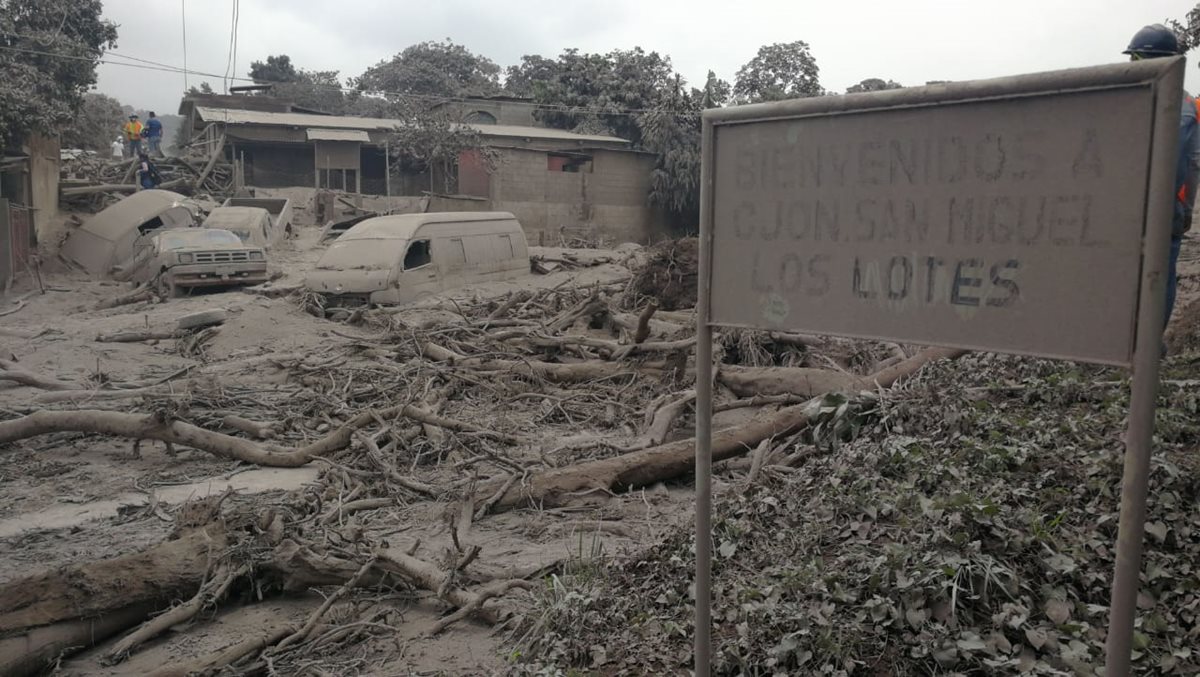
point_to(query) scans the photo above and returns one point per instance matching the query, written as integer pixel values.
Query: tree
(785, 70)
(96, 125)
(1187, 30)
(595, 93)
(672, 133)
(276, 69)
(51, 48)
(874, 85)
(525, 78)
(433, 69)
(430, 141)
(320, 90)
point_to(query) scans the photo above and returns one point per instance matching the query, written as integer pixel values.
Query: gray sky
(909, 41)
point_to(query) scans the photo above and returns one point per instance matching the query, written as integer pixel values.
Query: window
(153, 224)
(480, 117)
(417, 255)
(574, 163)
(338, 179)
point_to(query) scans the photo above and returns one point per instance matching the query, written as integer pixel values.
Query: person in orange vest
(133, 135)
(1152, 42)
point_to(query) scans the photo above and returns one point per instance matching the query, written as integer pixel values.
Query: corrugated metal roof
(251, 117)
(337, 135)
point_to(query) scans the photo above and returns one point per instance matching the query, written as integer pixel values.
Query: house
(28, 200)
(552, 180)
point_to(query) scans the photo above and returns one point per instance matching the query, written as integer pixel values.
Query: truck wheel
(204, 318)
(167, 289)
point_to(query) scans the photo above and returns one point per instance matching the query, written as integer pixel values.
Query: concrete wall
(43, 180)
(607, 203)
(505, 112)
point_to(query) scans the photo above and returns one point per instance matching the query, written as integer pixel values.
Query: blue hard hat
(1154, 40)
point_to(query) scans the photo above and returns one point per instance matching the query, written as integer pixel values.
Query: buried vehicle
(252, 225)
(113, 236)
(175, 260)
(402, 258)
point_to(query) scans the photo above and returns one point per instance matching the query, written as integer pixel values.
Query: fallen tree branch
(226, 656)
(11, 371)
(643, 326)
(481, 596)
(143, 293)
(151, 427)
(557, 486)
(574, 372)
(263, 431)
(211, 593)
(431, 578)
(305, 630)
(138, 336)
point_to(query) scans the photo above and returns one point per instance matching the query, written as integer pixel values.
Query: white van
(402, 258)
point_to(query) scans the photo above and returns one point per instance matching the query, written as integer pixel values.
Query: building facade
(553, 180)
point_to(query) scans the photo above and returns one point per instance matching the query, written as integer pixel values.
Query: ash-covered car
(180, 259)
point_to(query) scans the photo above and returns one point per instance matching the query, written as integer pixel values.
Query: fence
(16, 242)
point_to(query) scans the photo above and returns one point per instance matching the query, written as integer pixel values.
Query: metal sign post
(1026, 215)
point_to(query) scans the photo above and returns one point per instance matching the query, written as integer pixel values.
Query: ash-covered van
(399, 259)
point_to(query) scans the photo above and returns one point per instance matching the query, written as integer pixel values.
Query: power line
(147, 64)
(231, 55)
(183, 26)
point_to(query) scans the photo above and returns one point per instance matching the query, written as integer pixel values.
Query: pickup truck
(184, 258)
(279, 208)
(253, 225)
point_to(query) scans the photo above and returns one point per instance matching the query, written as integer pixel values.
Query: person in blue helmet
(1152, 42)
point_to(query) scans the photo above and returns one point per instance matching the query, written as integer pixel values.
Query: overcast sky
(909, 41)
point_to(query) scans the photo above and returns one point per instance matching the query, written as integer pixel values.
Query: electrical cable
(183, 25)
(167, 68)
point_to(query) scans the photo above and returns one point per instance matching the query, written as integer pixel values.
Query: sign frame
(1163, 80)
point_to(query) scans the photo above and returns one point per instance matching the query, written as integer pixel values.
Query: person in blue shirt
(1152, 42)
(147, 174)
(153, 133)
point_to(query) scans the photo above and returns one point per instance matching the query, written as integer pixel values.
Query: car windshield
(366, 254)
(243, 235)
(183, 238)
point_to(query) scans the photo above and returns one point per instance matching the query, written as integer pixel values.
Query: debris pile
(964, 523)
(90, 183)
(558, 397)
(671, 273)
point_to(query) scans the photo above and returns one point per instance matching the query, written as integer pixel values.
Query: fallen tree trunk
(150, 427)
(668, 461)
(33, 652)
(572, 372)
(72, 607)
(144, 293)
(139, 336)
(170, 569)
(806, 381)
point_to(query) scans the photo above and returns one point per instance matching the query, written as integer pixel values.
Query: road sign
(1025, 215)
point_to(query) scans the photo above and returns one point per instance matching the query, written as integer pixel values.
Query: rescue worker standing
(1153, 42)
(153, 133)
(133, 135)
